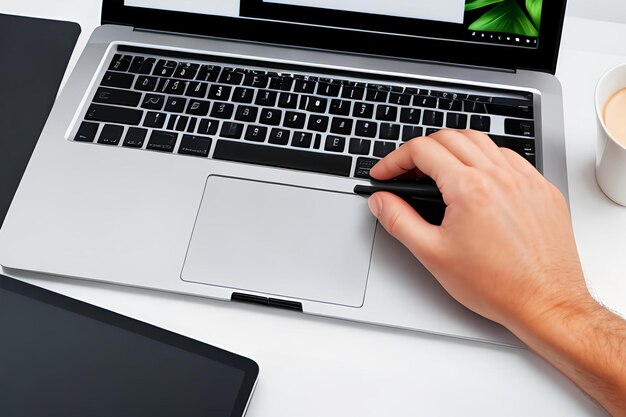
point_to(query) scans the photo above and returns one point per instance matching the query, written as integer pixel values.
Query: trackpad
(282, 240)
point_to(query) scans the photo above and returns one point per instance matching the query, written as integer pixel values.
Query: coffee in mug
(615, 116)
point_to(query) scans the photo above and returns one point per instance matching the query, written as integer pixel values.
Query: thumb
(401, 221)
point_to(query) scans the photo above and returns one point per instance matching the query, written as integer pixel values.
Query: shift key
(110, 114)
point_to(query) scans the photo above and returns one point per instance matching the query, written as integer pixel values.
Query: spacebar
(283, 158)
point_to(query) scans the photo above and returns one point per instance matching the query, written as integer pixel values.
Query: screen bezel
(543, 58)
(249, 367)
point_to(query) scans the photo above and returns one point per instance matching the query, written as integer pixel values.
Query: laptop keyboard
(296, 119)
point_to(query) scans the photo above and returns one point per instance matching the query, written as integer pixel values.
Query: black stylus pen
(405, 189)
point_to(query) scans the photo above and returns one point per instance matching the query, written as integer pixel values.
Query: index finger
(424, 154)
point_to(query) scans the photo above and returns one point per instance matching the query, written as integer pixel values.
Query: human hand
(505, 248)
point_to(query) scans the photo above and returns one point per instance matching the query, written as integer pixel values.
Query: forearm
(587, 343)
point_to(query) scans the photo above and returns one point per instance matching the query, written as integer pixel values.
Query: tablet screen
(61, 357)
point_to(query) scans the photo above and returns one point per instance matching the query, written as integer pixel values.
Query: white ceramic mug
(610, 154)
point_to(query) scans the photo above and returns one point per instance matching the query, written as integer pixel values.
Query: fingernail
(374, 204)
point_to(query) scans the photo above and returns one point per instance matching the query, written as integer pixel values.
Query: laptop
(213, 148)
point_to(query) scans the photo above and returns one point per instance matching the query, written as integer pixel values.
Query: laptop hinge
(478, 67)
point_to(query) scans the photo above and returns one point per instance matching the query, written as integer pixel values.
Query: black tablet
(60, 357)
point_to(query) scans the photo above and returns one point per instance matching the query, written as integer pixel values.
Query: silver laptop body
(233, 230)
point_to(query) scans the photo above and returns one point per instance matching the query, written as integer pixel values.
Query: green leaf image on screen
(519, 17)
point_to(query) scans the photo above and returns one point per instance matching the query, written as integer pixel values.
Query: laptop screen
(501, 34)
(501, 22)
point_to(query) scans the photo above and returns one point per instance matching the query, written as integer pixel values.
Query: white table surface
(323, 367)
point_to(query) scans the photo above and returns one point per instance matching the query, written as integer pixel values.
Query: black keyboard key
(174, 87)
(281, 83)
(120, 97)
(425, 101)
(456, 121)
(341, 126)
(120, 63)
(155, 120)
(410, 115)
(431, 130)
(219, 92)
(360, 146)
(382, 149)
(353, 92)
(400, 99)
(386, 113)
(302, 139)
(340, 107)
(294, 120)
(266, 98)
(328, 89)
(335, 143)
(246, 113)
(198, 107)
(283, 157)
(186, 71)
(195, 145)
(270, 117)
(135, 137)
(318, 123)
(482, 123)
(136, 64)
(191, 127)
(377, 92)
(364, 110)
(231, 76)
(208, 73)
(363, 166)
(318, 141)
(111, 135)
(165, 68)
(256, 133)
(145, 83)
(141, 65)
(524, 147)
(389, 131)
(474, 107)
(231, 130)
(433, 118)
(366, 129)
(86, 132)
(243, 95)
(153, 102)
(222, 110)
(175, 104)
(451, 105)
(410, 132)
(279, 136)
(519, 127)
(197, 89)
(304, 86)
(162, 141)
(181, 122)
(288, 100)
(110, 114)
(208, 127)
(256, 80)
(118, 80)
(313, 104)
